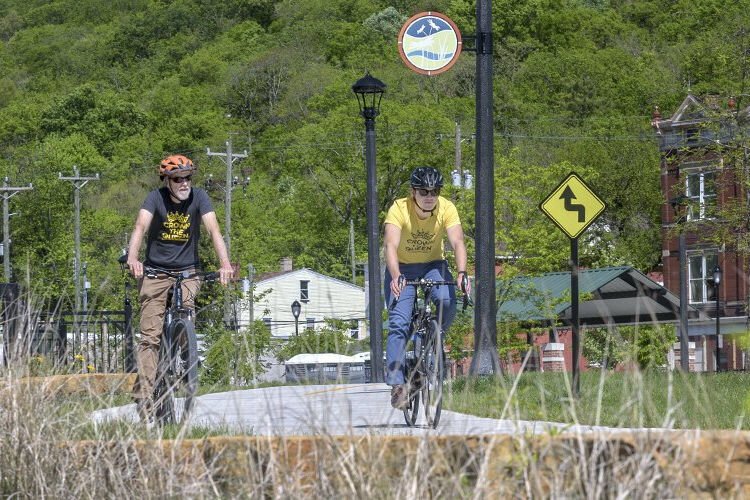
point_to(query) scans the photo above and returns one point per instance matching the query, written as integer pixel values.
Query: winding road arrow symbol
(568, 196)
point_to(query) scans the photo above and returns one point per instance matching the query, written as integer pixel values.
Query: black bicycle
(425, 355)
(177, 367)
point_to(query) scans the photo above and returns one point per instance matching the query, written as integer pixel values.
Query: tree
(331, 338)
(236, 357)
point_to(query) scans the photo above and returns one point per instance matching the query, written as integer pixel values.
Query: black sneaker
(398, 397)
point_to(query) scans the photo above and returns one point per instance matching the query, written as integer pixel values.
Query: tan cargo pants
(153, 294)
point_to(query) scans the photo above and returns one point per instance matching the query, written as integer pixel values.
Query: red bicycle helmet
(176, 166)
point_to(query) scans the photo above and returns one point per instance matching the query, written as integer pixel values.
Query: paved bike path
(351, 409)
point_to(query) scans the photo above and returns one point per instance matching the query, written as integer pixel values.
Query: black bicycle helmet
(426, 178)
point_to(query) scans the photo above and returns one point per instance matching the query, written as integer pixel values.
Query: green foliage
(459, 339)
(236, 358)
(111, 87)
(645, 345)
(332, 338)
(103, 117)
(651, 344)
(604, 348)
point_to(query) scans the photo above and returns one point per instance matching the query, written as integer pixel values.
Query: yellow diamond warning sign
(573, 206)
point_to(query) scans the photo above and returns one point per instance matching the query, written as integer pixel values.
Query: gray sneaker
(398, 397)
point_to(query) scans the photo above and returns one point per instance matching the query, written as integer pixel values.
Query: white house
(320, 297)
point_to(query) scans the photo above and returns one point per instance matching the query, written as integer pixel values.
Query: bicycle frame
(422, 313)
(425, 373)
(175, 308)
(177, 369)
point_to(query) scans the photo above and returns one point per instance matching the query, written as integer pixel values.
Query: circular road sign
(429, 43)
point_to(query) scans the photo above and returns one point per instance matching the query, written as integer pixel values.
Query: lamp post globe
(296, 309)
(369, 91)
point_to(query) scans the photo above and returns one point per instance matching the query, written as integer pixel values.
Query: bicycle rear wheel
(412, 383)
(434, 368)
(177, 376)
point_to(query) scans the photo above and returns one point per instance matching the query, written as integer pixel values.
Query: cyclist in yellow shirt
(414, 230)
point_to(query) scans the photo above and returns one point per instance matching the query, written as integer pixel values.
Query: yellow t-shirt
(421, 240)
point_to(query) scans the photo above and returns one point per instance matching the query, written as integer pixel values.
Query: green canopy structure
(608, 296)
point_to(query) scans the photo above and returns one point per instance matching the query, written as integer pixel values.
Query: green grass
(617, 399)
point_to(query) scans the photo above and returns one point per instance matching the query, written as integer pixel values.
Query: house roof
(610, 295)
(274, 276)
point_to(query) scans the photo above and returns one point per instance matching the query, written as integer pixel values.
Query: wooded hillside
(112, 86)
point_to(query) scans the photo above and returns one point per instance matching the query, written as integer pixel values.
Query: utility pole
(351, 247)
(78, 182)
(457, 160)
(250, 298)
(8, 192)
(229, 158)
(86, 286)
(231, 182)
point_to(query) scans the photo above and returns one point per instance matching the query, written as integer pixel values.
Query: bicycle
(176, 381)
(425, 362)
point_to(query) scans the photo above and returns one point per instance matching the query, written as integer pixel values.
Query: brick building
(704, 159)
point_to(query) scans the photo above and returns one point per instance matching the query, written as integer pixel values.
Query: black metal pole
(684, 348)
(485, 360)
(373, 253)
(574, 315)
(296, 327)
(129, 340)
(718, 326)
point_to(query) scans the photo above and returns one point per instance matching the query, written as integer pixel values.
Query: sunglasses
(429, 192)
(180, 180)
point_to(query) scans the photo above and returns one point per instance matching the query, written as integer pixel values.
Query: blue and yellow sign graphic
(429, 43)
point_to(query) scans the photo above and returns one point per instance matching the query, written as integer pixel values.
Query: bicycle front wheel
(411, 411)
(177, 377)
(434, 367)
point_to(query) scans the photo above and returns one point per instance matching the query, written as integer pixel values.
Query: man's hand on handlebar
(398, 285)
(132, 264)
(226, 273)
(463, 283)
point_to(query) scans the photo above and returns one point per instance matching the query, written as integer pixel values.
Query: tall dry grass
(49, 448)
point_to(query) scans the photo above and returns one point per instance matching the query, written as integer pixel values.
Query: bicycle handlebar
(153, 272)
(424, 282)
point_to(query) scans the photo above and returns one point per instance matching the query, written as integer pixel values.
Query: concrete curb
(698, 462)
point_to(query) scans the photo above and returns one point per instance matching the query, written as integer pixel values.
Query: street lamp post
(717, 282)
(369, 92)
(296, 308)
(678, 208)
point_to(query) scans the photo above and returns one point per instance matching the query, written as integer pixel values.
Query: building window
(310, 322)
(304, 291)
(692, 136)
(700, 269)
(700, 189)
(354, 329)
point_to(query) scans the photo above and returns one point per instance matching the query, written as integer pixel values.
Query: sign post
(573, 206)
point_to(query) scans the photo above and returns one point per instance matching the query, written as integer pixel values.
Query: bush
(331, 338)
(236, 358)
